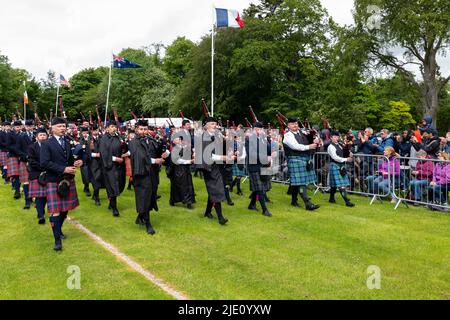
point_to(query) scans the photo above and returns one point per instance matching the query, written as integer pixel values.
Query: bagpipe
(61, 107)
(121, 134)
(99, 120)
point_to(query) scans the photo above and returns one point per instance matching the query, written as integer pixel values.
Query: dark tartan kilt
(298, 174)
(237, 172)
(3, 158)
(23, 172)
(128, 172)
(258, 184)
(36, 190)
(56, 204)
(13, 167)
(214, 184)
(334, 177)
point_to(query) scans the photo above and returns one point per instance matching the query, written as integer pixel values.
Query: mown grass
(293, 255)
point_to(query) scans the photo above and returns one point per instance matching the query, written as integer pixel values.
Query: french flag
(228, 18)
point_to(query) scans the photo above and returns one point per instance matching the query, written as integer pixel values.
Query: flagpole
(107, 94)
(24, 105)
(212, 63)
(57, 94)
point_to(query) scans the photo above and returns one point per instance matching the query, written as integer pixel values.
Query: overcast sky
(67, 36)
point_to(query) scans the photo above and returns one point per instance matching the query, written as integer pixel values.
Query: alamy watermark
(74, 280)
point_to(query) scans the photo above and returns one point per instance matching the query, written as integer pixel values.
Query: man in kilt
(38, 190)
(58, 160)
(208, 160)
(144, 175)
(338, 177)
(85, 141)
(300, 166)
(6, 126)
(13, 157)
(95, 164)
(113, 165)
(258, 149)
(23, 142)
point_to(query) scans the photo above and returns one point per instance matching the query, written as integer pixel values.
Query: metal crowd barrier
(363, 173)
(414, 185)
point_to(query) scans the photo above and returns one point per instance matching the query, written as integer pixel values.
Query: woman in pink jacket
(440, 185)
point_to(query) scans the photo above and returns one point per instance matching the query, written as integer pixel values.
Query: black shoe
(332, 201)
(189, 206)
(312, 207)
(230, 203)
(209, 215)
(171, 203)
(349, 204)
(139, 221)
(115, 212)
(252, 207)
(63, 236)
(239, 193)
(295, 204)
(267, 213)
(97, 202)
(58, 245)
(17, 195)
(158, 197)
(150, 229)
(223, 220)
(41, 221)
(88, 193)
(27, 206)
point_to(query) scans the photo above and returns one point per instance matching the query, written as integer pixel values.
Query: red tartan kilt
(36, 190)
(3, 158)
(23, 172)
(128, 172)
(13, 167)
(56, 204)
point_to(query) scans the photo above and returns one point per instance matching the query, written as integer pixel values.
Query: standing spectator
(440, 184)
(427, 123)
(430, 143)
(386, 141)
(423, 175)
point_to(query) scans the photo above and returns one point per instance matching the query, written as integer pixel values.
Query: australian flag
(122, 63)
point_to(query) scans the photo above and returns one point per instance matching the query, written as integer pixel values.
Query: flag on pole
(25, 97)
(228, 18)
(122, 63)
(63, 81)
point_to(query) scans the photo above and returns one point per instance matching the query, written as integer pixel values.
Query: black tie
(63, 143)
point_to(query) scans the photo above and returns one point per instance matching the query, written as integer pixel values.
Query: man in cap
(300, 168)
(58, 159)
(93, 159)
(144, 175)
(13, 157)
(338, 177)
(208, 160)
(113, 165)
(6, 127)
(24, 140)
(259, 156)
(38, 189)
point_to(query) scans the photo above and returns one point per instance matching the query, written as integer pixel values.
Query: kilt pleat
(3, 158)
(36, 190)
(334, 177)
(13, 166)
(298, 174)
(23, 172)
(57, 204)
(237, 172)
(258, 184)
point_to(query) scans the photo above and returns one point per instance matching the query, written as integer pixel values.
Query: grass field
(293, 255)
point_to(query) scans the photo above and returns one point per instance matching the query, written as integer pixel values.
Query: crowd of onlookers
(416, 162)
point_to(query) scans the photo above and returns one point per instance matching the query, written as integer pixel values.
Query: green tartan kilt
(237, 172)
(334, 177)
(298, 174)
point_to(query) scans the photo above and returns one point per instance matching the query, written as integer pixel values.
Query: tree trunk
(430, 92)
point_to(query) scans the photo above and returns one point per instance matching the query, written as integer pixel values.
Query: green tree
(177, 60)
(398, 117)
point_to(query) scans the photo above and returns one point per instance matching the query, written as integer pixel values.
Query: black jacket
(11, 144)
(22, 143)
(34, 160)
(54, 159)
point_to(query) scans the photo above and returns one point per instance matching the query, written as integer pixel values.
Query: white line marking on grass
(130, 262)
